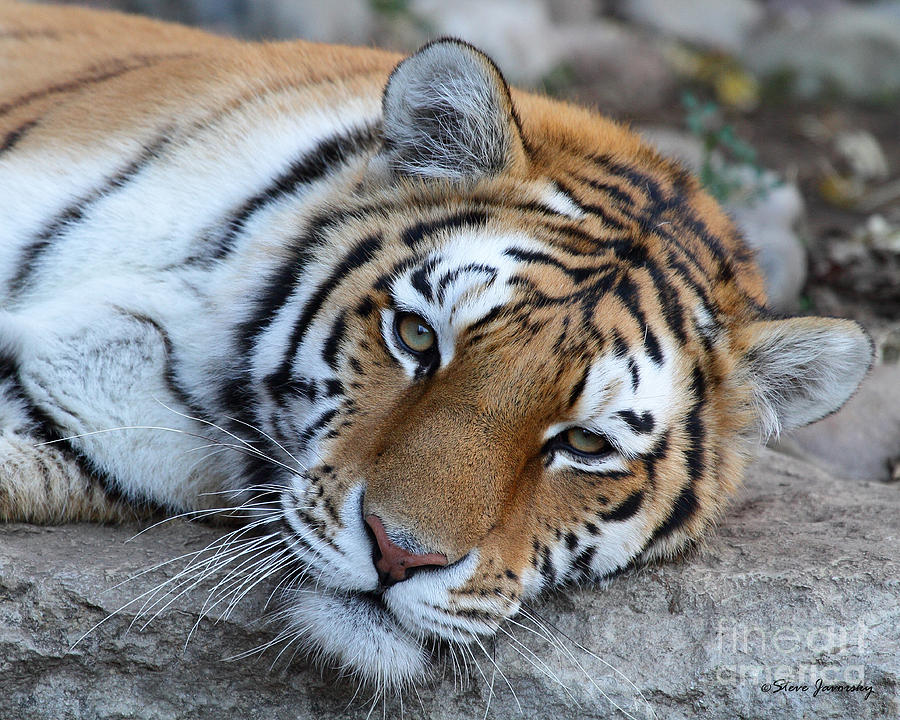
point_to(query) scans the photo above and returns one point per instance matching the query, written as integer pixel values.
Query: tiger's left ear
(802, 369)
(448, 114)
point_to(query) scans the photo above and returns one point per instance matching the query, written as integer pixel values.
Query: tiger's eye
(414, 333)
(586, 442)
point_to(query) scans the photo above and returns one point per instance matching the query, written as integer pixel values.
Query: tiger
(452, 344)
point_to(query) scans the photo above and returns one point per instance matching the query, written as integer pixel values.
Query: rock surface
(854, 48)
(862, 441)
(801, 581)
(719, 24)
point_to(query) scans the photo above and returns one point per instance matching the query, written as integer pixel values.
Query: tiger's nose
(392, 561)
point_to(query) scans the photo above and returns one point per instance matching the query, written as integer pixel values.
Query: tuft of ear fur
(802, 369)
(448, 114)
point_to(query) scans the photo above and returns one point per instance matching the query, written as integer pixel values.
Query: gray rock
(800, 582)
(347, 21)
(518, 34)
(574, 11)
(862, 440)
(769, 223)
(719, 24)
(855, 47)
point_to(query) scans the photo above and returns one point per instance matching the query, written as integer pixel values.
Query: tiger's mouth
(364, 622)
(359, 634)
(386, 636)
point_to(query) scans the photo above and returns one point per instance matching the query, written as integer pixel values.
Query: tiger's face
(520, 360)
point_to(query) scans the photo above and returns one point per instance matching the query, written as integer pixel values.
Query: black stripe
(682, 510)
(487, 318)
(547, 569)
(419, 281)
(582, 563)
(627, 292)
(669, 302)
(641, 424)
(625, 510)
(320, 423)
(97, 76)
(686, 504)
(658, 453)
(333, 341)
(625, 200)
(413, 235)
(384, 280)
(304, 387)
(73, 214)
(528, 256)
(451, 275)
(360, 254)
(312, 166)
(635, 374)
(645, 184)
(170, 374)
(694, 424)
(280, 286)
(14, 136)
(620, 348)
(578, 388)
(593, 209)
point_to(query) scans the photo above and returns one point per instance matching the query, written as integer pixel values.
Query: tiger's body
(457, 329)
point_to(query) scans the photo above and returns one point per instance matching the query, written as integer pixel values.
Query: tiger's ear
(448, 114)
(802, 369)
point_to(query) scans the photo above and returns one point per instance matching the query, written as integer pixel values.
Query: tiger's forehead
(473, 276)
(507, 297)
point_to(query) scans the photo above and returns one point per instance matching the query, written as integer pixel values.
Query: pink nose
(392, 561)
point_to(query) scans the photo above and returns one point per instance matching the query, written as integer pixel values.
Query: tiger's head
(519, 350)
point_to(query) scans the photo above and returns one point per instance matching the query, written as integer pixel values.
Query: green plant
(726, 157)
(390, 7)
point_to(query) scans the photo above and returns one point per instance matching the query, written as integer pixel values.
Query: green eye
(414, 333)
(585, 442)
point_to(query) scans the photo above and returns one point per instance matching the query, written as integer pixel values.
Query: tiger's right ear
(448, 114)
(802, 369)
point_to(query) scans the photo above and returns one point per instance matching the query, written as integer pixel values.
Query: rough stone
(769, 223)
(720, 24)
(518, 34)
(348, 21)
(800, 582)
(861, 440)
(853, 47)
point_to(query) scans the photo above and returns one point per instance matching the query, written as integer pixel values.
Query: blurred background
(789, 110)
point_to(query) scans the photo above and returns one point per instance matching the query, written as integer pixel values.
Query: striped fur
(201, 231)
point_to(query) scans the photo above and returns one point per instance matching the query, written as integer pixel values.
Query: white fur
(560, 202)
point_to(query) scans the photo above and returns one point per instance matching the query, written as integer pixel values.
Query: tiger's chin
(356, 633)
